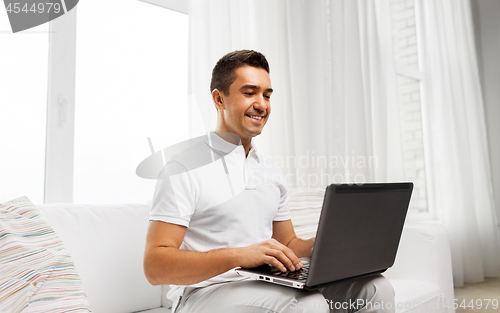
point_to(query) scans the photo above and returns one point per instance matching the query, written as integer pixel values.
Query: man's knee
(352, 295)
(378, 288)
(374, 293)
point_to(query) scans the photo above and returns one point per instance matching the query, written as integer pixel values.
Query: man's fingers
(274, 262)
(279, 255)
(289, 253)
(293, 258)
(287, 258)
(297, 264)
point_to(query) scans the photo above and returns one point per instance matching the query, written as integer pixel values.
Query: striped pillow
(36, 272)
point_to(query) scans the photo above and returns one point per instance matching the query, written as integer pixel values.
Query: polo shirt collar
(253, 152)
(217, 143)
(221, 145)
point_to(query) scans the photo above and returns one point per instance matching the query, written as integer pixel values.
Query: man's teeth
(256, 117)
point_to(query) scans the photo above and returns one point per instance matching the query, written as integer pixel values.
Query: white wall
(487, 31)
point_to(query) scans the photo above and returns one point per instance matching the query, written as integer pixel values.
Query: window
(410, 86)
(131, 83)
(23, 106)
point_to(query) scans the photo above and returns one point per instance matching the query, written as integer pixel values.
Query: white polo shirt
(225, 199)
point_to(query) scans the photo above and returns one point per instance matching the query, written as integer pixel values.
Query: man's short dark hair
(223, 74)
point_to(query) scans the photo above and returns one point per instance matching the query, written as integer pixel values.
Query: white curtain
(335, 116)
(334, 109)
(454, 124)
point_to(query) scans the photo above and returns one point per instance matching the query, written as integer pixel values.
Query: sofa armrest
(424, 255)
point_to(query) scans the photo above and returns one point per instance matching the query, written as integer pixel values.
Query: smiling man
(233, 212)
(244, 106)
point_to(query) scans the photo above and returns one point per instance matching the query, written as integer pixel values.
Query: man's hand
(269, 252)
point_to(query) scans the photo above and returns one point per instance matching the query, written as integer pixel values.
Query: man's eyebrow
(249, 86)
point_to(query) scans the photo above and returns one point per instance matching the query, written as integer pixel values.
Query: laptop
(358, 235)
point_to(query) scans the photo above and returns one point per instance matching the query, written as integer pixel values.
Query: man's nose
(260, 104)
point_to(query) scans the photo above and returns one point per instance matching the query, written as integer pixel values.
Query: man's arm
(165, 263)
(283, 232)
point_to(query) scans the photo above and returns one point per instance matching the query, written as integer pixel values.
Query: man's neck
(247, 145)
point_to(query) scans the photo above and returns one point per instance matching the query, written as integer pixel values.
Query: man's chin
(252, 133)
(256, 132)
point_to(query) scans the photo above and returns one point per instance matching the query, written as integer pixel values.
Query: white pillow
(107, 244)
(37, 274)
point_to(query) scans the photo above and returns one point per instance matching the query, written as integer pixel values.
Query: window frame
(59, 141)
(420, 75)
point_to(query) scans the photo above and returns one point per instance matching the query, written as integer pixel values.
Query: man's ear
(218, 98)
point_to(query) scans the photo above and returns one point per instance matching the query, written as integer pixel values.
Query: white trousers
(368, 295)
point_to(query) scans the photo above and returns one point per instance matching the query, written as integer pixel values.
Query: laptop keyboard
(299, 274)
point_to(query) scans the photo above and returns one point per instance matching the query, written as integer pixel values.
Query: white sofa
(107, 245)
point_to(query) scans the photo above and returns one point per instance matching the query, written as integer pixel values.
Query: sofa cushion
(417, 296)
(107, 244)
(37, 273)
(424, 255)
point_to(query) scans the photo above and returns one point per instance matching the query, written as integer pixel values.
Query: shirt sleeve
(173, 200)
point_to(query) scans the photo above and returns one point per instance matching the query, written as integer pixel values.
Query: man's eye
(267, 97)
(249, 93)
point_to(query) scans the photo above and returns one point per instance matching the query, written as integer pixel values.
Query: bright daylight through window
(23, 107)
(131, 83)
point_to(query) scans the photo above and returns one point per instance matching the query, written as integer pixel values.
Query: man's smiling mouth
(256, 117)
